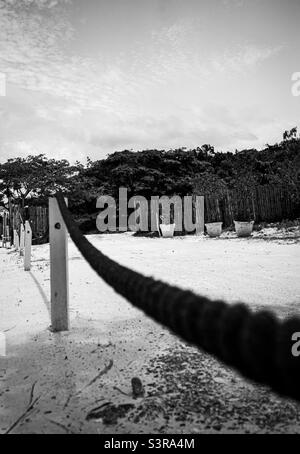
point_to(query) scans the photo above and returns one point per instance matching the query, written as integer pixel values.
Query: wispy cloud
(243, 58)
(175, 86)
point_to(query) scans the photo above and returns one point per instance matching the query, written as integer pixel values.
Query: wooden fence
(267, 204)
(37, 216)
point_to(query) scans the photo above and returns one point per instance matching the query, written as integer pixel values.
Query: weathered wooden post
(4, 231)
(27, 244)
(17, 241)
(58, 269)
(22, 239)
(8, 245)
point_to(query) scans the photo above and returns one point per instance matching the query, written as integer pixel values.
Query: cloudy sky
(90, 77)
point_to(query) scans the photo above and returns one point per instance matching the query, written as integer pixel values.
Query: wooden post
(27, 244)
(17, 245)
(22, 240)
(58, 269)
(8, 245)
(4, 230)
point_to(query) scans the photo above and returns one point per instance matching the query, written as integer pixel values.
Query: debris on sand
(137, 388)
(109, 413)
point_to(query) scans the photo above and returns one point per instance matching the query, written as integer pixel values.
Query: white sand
(104, 327)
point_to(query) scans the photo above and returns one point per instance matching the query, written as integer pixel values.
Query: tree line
(202, 171)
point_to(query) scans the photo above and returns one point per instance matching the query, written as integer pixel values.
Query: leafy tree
(209, 183)
(290, 135)
(33, 177)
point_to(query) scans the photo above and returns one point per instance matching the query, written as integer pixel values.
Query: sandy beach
(80, 381)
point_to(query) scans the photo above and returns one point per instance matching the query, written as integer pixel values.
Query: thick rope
(258, 345)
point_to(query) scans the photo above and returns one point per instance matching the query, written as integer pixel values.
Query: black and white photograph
(150, 220)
